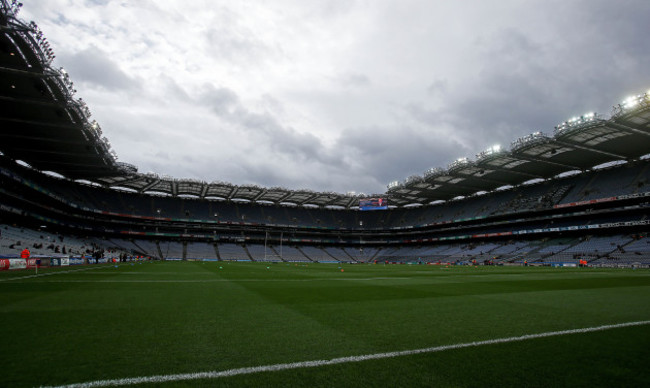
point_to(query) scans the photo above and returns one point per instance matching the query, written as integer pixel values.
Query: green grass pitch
(77, 325)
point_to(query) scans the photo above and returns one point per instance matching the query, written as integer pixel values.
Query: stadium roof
(578, 144)
(43, 125)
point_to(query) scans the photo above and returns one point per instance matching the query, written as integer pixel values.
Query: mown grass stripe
(334, 361)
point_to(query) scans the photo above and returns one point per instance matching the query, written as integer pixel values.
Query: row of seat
(615, 181)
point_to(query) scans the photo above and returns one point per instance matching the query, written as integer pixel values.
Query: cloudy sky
(338, 95)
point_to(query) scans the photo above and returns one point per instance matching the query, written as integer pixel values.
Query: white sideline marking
(215, 280)
(333, 361)
(51, 273)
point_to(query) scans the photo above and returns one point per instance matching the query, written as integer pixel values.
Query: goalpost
(269, 253)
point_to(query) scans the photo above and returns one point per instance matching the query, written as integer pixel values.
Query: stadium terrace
(581, 192)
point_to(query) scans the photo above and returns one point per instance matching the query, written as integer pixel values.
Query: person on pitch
(25, 254)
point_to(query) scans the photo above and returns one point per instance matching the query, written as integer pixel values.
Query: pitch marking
(212, 280)
(51, 273)
(333, 361)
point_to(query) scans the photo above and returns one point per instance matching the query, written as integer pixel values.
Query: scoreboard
(373, 204)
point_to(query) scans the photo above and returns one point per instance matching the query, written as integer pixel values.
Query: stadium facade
(581, 193)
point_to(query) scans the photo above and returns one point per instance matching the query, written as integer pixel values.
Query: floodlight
(433, 171)
(630, 103)
(413, 178)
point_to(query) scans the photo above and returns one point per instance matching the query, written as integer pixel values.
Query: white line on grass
(51, 273)
(220, 280)
(334, 361)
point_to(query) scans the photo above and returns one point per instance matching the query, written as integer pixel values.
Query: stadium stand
(42, 243)
(581, 193)
(235, 252)
(200, 250)
(259, 252)
(292, 254)
(170, 249)
(636, 250)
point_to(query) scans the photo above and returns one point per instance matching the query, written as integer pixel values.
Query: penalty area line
(334, 361)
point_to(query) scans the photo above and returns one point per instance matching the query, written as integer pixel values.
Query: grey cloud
(98, 2)
(230, 39)
(264, 127)
(163, 156)
(624, 23)
(502, 108)
(431, 117)
(173, 89)
(231, 47)
(94, 66)
(268, 175)
(330, 9)
(388, 154)
(522, 85)
(438, 86)
(300, 147)
(507, 104)
(509, 43)
(410, 97)
(269, 103)
(281, 139)
(221, 100)
(353, 80)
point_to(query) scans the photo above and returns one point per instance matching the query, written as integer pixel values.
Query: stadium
(527, 264)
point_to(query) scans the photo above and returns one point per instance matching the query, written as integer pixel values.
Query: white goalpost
(269, 253)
